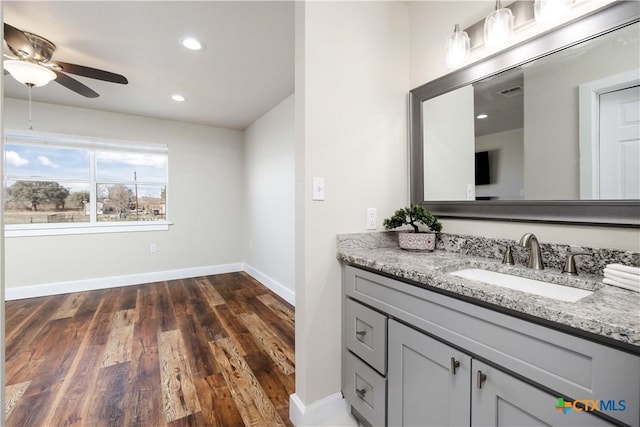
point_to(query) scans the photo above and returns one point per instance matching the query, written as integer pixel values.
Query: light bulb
(457, 49)
(551, 11)
(498, 26)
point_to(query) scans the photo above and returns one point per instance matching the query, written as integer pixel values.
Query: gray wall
(269, 251)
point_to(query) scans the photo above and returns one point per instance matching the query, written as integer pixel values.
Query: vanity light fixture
(481, 116)
(29, 73)
(178, 98)
(191, 43)
(551, 11)
(458, 47)
(498, 26)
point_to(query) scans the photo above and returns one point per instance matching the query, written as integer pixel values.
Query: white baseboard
(283, 292)
(116, 281)
(332, 411)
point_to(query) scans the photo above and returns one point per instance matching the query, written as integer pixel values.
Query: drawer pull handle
(455, 364)
(481, 378)
(361, 334)
(361, 392)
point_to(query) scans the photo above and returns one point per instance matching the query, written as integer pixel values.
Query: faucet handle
(508, 256)
(570, 263)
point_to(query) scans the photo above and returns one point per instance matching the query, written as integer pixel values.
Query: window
(59, 185)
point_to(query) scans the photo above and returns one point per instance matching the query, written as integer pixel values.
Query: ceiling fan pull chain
(30, 122)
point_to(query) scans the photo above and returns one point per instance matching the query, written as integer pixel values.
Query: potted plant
(415, 239)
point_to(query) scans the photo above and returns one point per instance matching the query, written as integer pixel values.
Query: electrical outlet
(153, 248)
(372, 220)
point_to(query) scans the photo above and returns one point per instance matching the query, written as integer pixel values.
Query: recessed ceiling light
(481, 116)
(191, 43)
(178, 98)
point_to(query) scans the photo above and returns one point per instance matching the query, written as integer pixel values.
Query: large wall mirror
(548, 130)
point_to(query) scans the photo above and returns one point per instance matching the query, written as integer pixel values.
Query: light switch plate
(318, 188)
(471, 192)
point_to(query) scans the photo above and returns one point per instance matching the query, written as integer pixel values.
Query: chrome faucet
(529, 240)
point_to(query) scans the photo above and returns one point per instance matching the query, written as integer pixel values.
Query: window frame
(93, 145)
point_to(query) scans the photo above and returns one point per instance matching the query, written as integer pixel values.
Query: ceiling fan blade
(74, 85)
(93, 73)
(18, 41)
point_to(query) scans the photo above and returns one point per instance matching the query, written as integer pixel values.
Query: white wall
(427, 63)
(205, 202)
(352, 76)
(269, 199)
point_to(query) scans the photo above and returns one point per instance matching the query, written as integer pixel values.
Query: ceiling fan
(30, 64)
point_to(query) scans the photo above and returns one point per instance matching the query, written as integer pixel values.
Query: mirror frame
(619, 213)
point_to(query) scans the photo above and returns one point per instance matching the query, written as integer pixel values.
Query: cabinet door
(499, 399)
(423, 389)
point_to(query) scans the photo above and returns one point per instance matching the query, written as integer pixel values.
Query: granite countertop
(610, 312)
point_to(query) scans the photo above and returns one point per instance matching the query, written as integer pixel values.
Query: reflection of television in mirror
(483, 176)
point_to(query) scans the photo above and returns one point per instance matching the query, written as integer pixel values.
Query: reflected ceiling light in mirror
(191, 43)
(498, 26)
(29, 73)
(551, 11)
(481, 116)
(458, 47)
(177, 98)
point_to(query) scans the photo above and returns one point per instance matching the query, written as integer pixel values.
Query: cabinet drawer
(366, 391)
(366, 334)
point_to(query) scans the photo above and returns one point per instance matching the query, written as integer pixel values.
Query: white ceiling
(246, 69)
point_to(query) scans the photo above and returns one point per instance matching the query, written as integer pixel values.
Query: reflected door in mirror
(620, 144)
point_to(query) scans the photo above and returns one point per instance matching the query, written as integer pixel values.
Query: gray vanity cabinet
(428, 381)
(402, 344)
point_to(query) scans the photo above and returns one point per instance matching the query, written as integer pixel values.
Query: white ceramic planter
(417, 241)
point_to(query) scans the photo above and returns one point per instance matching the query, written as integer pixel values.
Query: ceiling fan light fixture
(29, 73)
(191, 43)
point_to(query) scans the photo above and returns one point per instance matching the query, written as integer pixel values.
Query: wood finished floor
(216, 350)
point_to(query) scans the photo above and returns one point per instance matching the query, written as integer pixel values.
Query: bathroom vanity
(424, 347)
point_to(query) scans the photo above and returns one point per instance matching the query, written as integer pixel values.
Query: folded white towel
(624, 268)
(622, 280)
(620, 285)
(621, 274)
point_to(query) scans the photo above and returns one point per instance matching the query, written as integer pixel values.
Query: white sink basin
(523, 284)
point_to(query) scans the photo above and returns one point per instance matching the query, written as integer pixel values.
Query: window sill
(76, 228)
